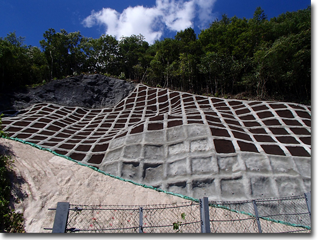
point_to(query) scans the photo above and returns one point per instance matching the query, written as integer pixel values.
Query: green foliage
(266, 59)
(177, 224)
(10, 221)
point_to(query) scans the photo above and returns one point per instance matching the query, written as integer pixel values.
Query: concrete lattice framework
(183, 143)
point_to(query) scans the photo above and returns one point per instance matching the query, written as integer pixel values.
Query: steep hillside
(179, 142)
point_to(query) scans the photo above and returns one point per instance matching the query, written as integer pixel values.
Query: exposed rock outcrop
(89, 91)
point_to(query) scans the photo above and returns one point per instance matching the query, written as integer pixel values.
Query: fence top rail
(257, 200)
(133, 207)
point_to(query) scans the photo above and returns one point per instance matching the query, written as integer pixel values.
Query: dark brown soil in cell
(307, 122)
(77, 156)
(287, 140)
(190, 106)
(219, 132)
(272, 122)
(254, 103)
(242, 111)
(141, 93)
(101, 148)
(258, 130)
(97, 159)
(174, 94)
(213, 119)
(292, 122)
(276, 106)
(206, 113)
(237, 128)
(247, 117)
(134, 120)
(298, 151)
(251, 124)
(157, 118)
(306, 140)
(163, 105)
(23, 136)
(22, 124)
(216, 100)
(259, 108)
(194, 117)
(265, 115)
(247, 147)
(241, 136)
(29, 130)
(278, 131)
(296, 107)
(49, 144)
(273, 149)
(174, 123)
(228, 116)
(140, 104)
(303, 114)
(66, 146)
(263, 138)
(119, 125)
(163, 99)
(129, 106)
(300, 131)
(63, 135)
(155, 126)
(106, 125)
(137, 129)
(130, 100)
(44, 120)
(152, 108)
(285, 113)
(141, 99)
(232, 122)
(38, 138)
(45, 132)
(83, 148)
(13, 129)
(53, 128)
(223, 146)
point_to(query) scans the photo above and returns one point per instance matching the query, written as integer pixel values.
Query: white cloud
(175, 15)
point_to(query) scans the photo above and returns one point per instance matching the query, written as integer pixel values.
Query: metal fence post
(257, 215)
(204, 215)
(308, 201)
(140, 220)
(61, 217)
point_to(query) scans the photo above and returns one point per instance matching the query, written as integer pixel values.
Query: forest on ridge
(244, 58)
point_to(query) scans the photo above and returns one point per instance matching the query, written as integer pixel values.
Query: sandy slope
(43, 179)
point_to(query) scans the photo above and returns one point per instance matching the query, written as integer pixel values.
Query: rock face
(89, 91)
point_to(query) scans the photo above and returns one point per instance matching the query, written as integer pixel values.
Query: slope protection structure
(182, 143)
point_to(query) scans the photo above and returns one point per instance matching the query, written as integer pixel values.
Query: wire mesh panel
(232, 217)
(103, 219)
(168, 218)
(180, 218)
(284, 215)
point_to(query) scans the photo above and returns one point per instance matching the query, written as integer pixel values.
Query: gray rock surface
(89, 91)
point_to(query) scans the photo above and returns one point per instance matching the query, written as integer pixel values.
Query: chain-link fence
(285, 215)
(267, 216)
(168, 218)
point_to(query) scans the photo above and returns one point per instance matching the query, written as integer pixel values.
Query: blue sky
(155, 19)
